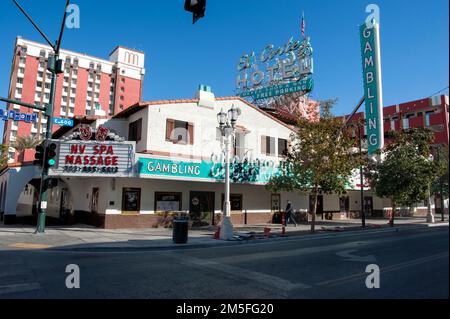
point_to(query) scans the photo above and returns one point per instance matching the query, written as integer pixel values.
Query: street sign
(13, 115)
(370, 50)
(63, 122)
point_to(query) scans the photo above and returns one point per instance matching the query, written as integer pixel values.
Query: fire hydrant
(217, 233)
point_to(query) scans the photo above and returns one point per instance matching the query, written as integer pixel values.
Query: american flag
(303, 24)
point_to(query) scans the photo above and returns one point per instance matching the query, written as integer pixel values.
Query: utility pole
(441, 187)
(363, 212)
(361, 175)
(55, 66)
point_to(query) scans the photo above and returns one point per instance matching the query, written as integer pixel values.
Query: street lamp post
(361, 175)
(441, 191)
(430, 215)
(227, 124)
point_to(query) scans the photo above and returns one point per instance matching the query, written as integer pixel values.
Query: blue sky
(180, 56)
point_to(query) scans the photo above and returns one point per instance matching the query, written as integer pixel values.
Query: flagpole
(303, 24)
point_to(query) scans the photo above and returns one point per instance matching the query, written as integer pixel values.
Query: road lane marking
(280, 284)
(15, 288)
(362, 275)
(29, 246)
(349, 256)
(15, 273)
(287, 253)
(313, 249)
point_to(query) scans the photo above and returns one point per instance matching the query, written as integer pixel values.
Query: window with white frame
(268, 145)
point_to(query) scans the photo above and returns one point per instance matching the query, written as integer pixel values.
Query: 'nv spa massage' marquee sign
(94, 153)
(276, 71)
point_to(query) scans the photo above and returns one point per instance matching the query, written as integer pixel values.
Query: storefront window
(167, 202)
(235, 202)
(276, 203)
(131, 200)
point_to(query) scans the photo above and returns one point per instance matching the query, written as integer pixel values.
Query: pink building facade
(88, 86)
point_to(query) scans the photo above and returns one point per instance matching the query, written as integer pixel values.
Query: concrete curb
(304, 235)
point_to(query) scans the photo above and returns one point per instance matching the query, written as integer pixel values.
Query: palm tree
(23, 143)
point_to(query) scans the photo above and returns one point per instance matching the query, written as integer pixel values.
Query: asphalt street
(413, 263)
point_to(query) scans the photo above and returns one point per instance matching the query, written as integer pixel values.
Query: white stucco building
(166, 156)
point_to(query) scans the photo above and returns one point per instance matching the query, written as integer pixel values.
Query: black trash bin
(180, 230)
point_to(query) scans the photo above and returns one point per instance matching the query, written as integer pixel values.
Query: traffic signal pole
(55, 67)
(42, 203)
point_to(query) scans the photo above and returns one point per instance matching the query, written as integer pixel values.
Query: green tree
(320, 160)
(406, 172)
(3, 156)
(441, 154)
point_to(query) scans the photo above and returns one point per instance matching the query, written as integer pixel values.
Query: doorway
(368, 206)
(94, 203)
(344, 204)
(64, 209)
(201, 208)
(319, 210)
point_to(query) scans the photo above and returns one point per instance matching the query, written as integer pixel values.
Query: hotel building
(88, 86)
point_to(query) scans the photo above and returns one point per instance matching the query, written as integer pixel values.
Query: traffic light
(50, 155)
(56, 66)
(39, 156)
(197, 7)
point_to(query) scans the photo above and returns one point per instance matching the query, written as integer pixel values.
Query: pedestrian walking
(289, 218)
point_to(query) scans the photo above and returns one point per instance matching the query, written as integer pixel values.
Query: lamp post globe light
(227, 123)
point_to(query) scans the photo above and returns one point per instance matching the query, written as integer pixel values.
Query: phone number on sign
(91, 169)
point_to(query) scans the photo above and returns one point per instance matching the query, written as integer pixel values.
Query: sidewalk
(82, 237)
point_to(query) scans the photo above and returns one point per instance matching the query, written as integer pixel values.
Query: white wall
(25, 202)
(16, 178)
(256, 199)
(205, 125)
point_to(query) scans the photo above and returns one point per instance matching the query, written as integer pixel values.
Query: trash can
(180, 230)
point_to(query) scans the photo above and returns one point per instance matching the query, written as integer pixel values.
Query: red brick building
(431, 113)
(88, 86)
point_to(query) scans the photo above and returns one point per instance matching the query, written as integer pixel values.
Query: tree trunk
(393, 212)
(313, 217)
